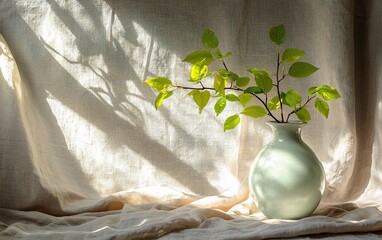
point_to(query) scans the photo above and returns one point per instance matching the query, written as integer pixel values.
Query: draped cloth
(84, 153)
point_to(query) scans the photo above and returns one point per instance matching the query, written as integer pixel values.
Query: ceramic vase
(286, 178)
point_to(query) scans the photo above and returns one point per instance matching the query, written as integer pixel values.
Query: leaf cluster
(227, 86)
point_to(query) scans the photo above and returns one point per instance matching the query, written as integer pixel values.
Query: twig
(278, 85)
(298, 109)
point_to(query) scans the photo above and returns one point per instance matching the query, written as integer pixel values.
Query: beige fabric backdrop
(79, 133)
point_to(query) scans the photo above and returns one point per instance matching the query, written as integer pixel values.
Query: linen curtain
(79, 132)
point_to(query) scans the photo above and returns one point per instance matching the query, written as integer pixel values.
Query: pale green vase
(286, 179)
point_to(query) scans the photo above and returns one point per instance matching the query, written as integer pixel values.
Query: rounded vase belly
(286, 179)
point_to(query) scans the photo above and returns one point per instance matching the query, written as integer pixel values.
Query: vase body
(286, 179)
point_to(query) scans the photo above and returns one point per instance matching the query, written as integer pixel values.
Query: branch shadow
(66, 89)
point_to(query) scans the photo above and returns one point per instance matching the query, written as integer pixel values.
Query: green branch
(229, 88)
(264, 82)
(278, 84)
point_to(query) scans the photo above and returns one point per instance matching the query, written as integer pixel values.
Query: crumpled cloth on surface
(151, 221)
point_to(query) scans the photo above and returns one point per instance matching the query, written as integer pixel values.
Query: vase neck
(286, 131)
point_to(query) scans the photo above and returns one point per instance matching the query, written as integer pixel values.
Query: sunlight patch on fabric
(6, 63)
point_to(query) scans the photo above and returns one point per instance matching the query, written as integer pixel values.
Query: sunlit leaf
(198, 71)
(322, 107)
(292, 54)
(201, 98)
(303, 114)
(193, 92)
(328, 92)
(161, 97)
(277, 34)
(274, 103)
(312, 90)
(292, 98)
(159, 83)
(262, 78)
(301, 69)
(254, 111)
(245, 98)
(220, 84)
(231, 122)
(220, 105)
(199, 56)
(209, 39)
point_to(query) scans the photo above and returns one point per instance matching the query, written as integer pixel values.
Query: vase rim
(293, 125)
(291, 122)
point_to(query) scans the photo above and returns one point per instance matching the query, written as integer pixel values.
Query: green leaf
(242, 81)
(328, 92)
(220, 105)
(227, 55)
(192, 92)
(254, 111)
(159, 83)
(262, 78)
(198, 71)
(220, 84)
(224, 73)
(274, 103)
(219, 55)
(209, 39)
(312, 90)
(200, 98)
(322, 107)
(231, 122)
(227, 74)
(254, 90)
(232, 97)
(292, 54)
(245, 98)
(199, 56)
(233, 76)
(292, 98)
(303, 114)
(277, 34)
(301, 69)
(161, 97)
